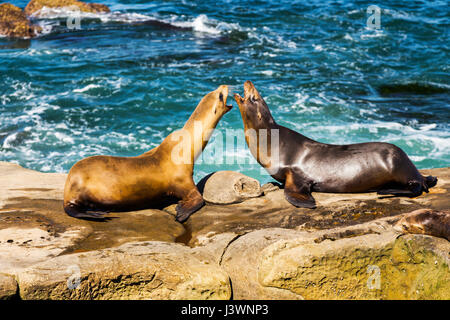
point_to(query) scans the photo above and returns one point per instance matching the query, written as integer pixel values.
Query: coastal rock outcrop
(34, 6)
(15, 24)
(225, 187)
(138, 270)
(365, 262)
(347, 248)
(8, 287)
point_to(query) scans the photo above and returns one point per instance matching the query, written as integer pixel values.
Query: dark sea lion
(426, 221)
(305, 165)
(99, 184)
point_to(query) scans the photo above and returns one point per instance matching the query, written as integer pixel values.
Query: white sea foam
(417, 158)
(318, 48)
(304, 103)
(427, 127)
(407, 16)
(7, 143)
(87, 88)
(370, 33)
(22, 90)
(201, 23)
(434, 141)
(348, 37)
(267, 72)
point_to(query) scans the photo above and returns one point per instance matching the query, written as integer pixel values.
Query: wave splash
(49, 18)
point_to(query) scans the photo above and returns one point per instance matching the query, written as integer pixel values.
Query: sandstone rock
(241, 262)
(268, 248)
(34, 226)
(141, 270)
(334, 210)
(8, 287)
(22, 247)
(14, 23)
(225, 187)
(269, 187)
(34, 6)
(368, 261)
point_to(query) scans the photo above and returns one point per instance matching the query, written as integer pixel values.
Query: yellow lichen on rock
(36, 5)
(415, 271)
(14, 23)
(373, 266)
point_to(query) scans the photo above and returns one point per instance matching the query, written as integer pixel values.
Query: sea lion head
(254, 110)
(205, 118)
(405, 225)
(210, 109)
(425, 221)
(215, 102)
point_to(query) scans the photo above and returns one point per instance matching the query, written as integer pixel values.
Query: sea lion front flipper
(189, 204)
(298, 191)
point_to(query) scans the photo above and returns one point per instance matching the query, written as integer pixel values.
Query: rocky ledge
(35, 6)
(15, 23)
(247, 242)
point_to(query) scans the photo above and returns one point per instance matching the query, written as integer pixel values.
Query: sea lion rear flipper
(298, 191)
(189, 204)
(412, 189)
(76, 212)
(395, 192)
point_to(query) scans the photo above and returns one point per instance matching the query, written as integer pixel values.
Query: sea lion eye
(221, 97)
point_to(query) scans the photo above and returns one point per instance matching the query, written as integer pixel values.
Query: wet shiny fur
(305, 165)
(99, 184)
(426, 221)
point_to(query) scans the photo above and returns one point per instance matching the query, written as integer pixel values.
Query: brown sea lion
(99, 184)
(305, 165)
(426, 221)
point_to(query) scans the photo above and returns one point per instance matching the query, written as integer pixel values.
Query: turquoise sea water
(127, 79)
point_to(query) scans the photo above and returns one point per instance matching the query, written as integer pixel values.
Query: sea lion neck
(198, 128)
(260, 117)
(254, 110)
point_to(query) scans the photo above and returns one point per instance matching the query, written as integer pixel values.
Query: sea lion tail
(75, 212)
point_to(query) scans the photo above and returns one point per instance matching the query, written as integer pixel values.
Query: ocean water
(123, 81)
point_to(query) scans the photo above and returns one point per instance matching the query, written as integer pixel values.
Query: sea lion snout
(239, 99)
(250, 94)
(223, 95)
(250, 91)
